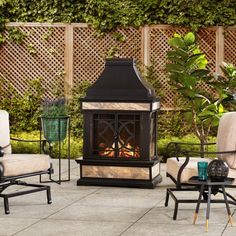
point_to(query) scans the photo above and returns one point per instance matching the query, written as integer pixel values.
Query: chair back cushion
(4, 131)
(226, 138)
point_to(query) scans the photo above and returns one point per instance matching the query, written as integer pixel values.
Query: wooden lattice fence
(66, 55)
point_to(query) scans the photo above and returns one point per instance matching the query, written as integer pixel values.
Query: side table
(211, 187)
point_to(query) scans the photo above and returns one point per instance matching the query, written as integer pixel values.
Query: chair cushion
(226, 138)
(4, 131)
(232, 174)
(20, 164)
(173, 166)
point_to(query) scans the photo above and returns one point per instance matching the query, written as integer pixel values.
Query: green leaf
(188, 115)
(176, 42)
(189, 38)
(221, 108)
(193, 59)
(200, 73)
(187, 92)
(189, 81)
(176, 35)
(174, 68)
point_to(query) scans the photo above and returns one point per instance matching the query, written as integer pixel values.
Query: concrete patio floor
(82, 210)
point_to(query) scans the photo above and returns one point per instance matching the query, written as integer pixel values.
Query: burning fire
(106, 151)
(127, 151)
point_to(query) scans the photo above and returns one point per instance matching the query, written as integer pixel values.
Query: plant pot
(54, 129)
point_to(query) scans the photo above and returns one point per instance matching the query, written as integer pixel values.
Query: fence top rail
(179, 27)
(46, 24)
(36, 24)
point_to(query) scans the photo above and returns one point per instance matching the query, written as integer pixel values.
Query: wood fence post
(68, 60)
(219, 48)
(146, 47)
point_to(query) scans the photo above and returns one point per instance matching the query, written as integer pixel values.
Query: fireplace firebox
(120, 133)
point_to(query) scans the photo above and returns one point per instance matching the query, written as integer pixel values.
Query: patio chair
(181, 165)
(17, 166)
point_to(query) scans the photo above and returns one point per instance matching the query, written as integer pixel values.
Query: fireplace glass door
(116, 135)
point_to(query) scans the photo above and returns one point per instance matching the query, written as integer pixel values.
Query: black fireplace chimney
(120, 81)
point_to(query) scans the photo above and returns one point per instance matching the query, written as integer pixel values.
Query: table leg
(227, 205)
(198, 204)
(208, 207)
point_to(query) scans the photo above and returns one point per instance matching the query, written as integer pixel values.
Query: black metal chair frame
(177, 152)
(6, 182)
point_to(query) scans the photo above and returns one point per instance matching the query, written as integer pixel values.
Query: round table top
(195, 181)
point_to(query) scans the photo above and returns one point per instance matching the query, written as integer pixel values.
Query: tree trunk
(203, 140)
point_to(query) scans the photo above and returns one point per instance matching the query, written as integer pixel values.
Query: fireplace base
(139, 174)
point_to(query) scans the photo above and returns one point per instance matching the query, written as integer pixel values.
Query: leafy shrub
(76, 145)
(75, 109)
(25, 147)
(163, 142)
(187, 71)
(172, 123)
(107, 15)
(23, 110)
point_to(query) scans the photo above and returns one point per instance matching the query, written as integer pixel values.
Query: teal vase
(54, 129)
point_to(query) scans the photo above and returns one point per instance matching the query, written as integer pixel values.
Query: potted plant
(54, 120)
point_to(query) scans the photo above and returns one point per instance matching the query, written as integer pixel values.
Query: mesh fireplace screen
(116, 135)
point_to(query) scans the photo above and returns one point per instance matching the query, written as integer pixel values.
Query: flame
(127, 151)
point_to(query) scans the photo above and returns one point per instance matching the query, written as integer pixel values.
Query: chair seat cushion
(226, 140)
(20, 164)
(232, 174)
(173, 166)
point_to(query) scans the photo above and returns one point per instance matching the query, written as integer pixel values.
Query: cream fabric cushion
(232, 174)
(4, 131)
(226, 138)
(173, 166)
(19, 164)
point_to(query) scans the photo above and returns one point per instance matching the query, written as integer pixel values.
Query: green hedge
(109, 14)
(162, 143)
(76, 144)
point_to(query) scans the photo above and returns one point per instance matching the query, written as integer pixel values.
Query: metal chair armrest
(206, 152)
(177, 148)
(25, 140)
(42, 142)
(186, 143)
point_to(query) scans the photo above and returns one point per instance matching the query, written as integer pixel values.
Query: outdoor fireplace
(120, 117)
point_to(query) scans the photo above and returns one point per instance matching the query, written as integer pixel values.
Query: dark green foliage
(163, 142)
(153, 80)
(23, 110)
(172, 123)
(16, 35)
(76, 145)
(225, 84)
(106, 15)
(75, 109)
(187, 70)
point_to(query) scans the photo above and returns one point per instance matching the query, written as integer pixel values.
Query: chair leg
(167, 198)
(6, 205)
(176, 210)
(35, 188)
(49, 197)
